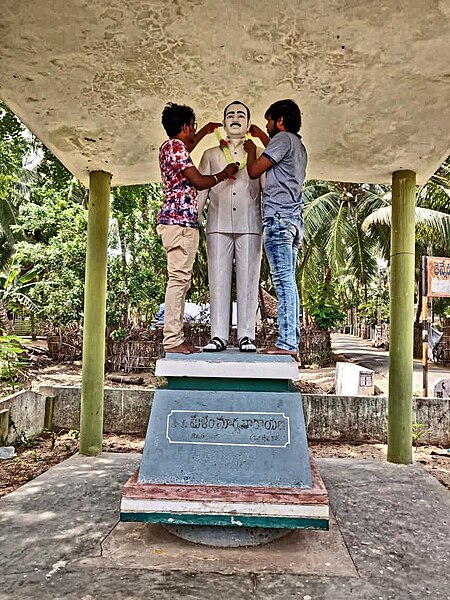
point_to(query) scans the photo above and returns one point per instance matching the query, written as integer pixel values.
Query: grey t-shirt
(283, 191)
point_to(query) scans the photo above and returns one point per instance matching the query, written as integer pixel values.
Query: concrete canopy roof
(90, 78)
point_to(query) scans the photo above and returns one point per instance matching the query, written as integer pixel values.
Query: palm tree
(432, 216)
(14, 290)
(335, 247)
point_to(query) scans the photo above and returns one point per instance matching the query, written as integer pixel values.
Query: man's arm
(204, 182)
(257, 132)
(256, 166)
(205, 169)
(205, 130)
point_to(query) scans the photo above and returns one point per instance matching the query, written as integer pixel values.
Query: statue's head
(236, 119)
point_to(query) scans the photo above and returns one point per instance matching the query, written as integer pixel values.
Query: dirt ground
(50, 449)
(36, 456)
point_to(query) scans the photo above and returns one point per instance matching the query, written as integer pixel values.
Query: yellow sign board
(438, 277)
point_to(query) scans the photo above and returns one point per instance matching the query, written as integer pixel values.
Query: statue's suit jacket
(234, 205)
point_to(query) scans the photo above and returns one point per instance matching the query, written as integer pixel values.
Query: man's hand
(205, 130)
(205, 182)
(255, 166)
(212, 126)
(257, 132)
(231, 170)
(249, 147)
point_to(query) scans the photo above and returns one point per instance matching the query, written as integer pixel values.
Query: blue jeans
(281, 238)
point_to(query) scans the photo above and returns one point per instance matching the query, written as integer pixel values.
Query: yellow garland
(227, 152)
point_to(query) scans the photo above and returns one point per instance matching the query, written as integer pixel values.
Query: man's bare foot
(276, 350)
(183, 348)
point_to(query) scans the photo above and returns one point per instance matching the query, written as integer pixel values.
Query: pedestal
(226, 448)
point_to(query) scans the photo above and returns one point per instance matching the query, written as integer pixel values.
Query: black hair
(289, 110)
(174, 116)
(236, 102)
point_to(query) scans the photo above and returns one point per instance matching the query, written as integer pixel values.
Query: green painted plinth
(227, 520)
(230, 385)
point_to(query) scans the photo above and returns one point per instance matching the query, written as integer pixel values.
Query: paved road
(362, 353)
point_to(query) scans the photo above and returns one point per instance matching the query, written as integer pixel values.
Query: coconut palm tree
(432, 216)
(335, 248)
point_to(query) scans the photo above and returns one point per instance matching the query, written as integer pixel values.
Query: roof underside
(90, 78)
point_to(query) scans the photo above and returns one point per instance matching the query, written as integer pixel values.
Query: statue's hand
(249, 146)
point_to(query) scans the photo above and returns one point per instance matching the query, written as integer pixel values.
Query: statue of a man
(233, 233)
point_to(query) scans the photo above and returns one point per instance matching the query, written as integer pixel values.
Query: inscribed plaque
(226, 438)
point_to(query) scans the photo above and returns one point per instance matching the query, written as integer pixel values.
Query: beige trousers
(180, 244)
(244, 249)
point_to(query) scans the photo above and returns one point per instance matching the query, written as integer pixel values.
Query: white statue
(233, 233)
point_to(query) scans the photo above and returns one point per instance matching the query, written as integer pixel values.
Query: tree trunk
(419, 302)
(33, 326)
(6, 325)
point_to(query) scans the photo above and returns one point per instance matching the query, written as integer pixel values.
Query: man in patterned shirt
(178, 218)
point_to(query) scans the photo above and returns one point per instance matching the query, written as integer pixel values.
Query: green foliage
(15, 179)
(16, 288)
(22, 437)
(418, 431)
(160, 382)
(369, 310)
(43, 221)
(55, 231)
(441, 307)
(14, 145)
(118, 334)
(320, 359)
(199, 291)
(333, 215)
(324, 309)
(54, 172)
(12, 362)
(432, 218)
(338, 259)
(137, 262)
(26, 442)
(376, 303)
(54, 226)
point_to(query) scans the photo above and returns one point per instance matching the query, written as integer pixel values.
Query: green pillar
(91, 417)
(401, 318)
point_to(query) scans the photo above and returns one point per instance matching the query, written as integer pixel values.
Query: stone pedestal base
(229, 466)
(226, 537)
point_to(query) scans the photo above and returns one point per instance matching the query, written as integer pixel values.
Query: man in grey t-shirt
(284, 160)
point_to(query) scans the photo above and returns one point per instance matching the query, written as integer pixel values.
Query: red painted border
(153, 491)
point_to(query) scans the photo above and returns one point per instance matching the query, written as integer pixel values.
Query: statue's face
(236, 121)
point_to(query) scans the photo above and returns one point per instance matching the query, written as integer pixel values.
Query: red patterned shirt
(180, 197)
